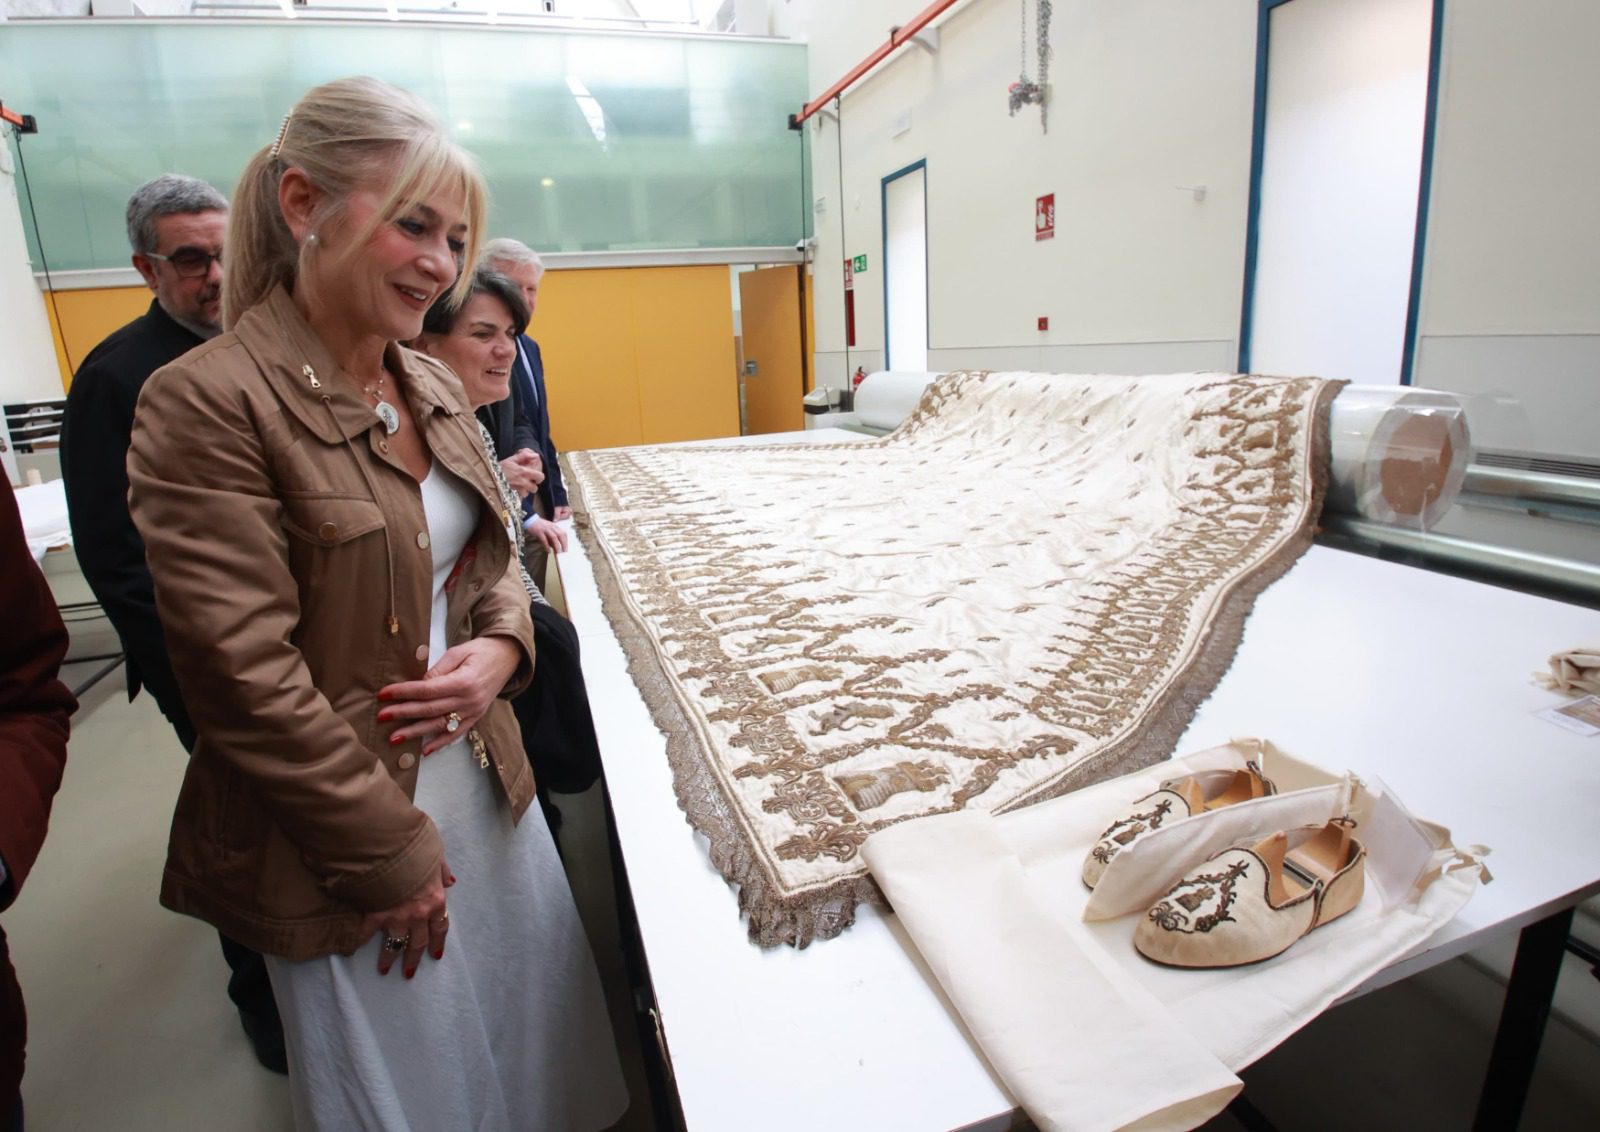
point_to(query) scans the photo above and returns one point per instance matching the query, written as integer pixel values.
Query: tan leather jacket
(294, 580)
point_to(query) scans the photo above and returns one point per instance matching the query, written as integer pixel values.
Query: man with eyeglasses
(176, 226)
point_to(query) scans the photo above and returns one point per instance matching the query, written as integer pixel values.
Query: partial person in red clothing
(35, 709)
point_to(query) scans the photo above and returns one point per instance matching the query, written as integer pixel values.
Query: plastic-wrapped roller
(886, 398)
(1399, 454)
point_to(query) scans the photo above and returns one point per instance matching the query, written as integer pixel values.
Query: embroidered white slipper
(1176, 799)
(1247, 904)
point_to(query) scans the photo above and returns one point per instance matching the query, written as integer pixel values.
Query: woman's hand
(524, 471)
(457, 690)
(546, 534)
(417, 925)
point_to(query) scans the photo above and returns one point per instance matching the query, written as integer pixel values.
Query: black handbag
(557, 726)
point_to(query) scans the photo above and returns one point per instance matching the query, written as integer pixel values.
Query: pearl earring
(311, 239)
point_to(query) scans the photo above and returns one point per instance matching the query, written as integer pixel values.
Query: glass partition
(590, 141)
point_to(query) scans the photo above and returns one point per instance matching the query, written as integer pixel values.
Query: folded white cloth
(1085, 1032)
(44, 516)
(1079, 1043)
(1575, 671)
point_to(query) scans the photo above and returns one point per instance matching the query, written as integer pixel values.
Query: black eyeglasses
(191, 263)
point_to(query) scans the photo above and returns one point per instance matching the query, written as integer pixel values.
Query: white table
(1420, 679)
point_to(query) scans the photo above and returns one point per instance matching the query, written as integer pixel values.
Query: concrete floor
(132, 1029)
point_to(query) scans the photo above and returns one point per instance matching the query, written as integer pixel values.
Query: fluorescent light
(547, 182)
(589, 106)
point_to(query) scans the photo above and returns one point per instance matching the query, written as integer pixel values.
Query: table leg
(666, 1110)
(1522, 1021)
(115, 659)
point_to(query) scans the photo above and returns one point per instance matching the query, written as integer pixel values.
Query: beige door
(774, 349)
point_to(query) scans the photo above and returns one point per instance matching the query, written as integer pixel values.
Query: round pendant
(389, 416)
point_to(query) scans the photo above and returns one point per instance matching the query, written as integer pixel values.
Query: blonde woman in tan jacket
(330, 554)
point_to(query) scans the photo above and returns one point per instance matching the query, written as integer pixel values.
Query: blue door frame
(883, 216)
(1424, 184)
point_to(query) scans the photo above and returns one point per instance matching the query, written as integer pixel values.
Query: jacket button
(407, 761)
(422, 652)
(422, 540)
(328, 531)
(383, 446)
(476, 586)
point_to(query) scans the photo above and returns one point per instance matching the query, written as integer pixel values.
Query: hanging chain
(1022, 48)
(1026, 92)
(1044, 64)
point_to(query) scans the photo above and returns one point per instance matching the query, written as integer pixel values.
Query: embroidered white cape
(1028, 587)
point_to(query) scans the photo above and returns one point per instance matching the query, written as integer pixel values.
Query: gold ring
(452, 723)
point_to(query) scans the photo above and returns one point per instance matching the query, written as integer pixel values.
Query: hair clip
(282, 130)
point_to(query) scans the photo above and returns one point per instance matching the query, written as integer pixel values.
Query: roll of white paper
(1399, 454)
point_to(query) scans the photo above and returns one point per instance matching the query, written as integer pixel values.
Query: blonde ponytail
(357, 133)
(261, 251)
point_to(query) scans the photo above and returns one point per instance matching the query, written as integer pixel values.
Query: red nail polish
(396, 740)
(452, 878)
(439, 954)
(385, 716)
(385, 697)
(410, 971)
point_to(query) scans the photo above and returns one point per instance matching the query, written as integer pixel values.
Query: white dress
(509, 1031)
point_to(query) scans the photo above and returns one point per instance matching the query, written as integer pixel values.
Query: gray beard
(201, 329)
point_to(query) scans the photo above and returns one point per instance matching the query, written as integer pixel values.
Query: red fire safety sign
(1044, 217)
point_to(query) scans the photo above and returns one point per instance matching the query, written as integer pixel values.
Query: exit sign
(859, 264)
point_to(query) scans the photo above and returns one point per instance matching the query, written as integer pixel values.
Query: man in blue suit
(548, 505)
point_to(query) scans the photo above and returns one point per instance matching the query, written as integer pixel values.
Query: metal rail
(1538, 571)
(1533, 487)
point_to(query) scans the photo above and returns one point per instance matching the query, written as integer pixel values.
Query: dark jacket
(557, 724)
(504, 426)
(527, 391)
(34, 711)
(294, 574)
(94, 465)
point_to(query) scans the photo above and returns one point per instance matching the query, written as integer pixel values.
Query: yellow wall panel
(637, 355)
(87, 317)
(683, 328)
(632, 355)
(590, 370)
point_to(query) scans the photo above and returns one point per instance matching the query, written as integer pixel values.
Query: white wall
(1148, 95)
(1151, 94)
(1511, 283)
(28, 368)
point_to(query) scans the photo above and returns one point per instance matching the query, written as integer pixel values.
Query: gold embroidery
(796, 656)
(873, 789)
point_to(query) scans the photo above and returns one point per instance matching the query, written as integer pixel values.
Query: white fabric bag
(1084, 1031)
